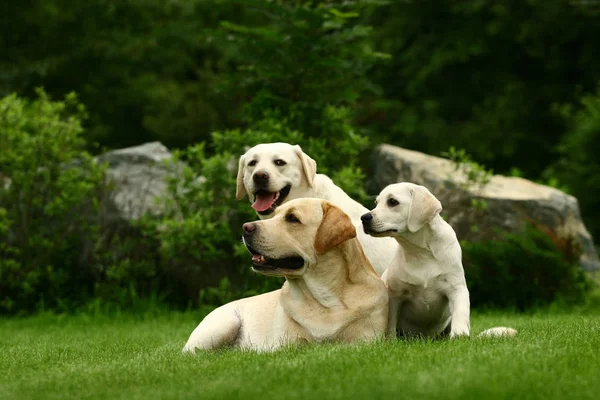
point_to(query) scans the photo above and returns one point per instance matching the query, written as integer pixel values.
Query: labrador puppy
(273, 173)
(426, 281)
(331, 292)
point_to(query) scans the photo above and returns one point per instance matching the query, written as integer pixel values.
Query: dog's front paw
(456, 333)
(189, 349)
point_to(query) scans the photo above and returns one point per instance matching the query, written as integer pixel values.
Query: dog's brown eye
(252, 163)
(279, 163)
(292, 218)
(392, 202)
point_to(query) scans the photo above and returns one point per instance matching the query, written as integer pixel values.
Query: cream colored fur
(335, 296)
(426, 280)
(300, 172)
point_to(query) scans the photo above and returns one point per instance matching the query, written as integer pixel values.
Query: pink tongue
(257, 258)
(264, 201)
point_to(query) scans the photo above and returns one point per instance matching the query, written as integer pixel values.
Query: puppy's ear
(308, 165)
(240, 191)
(423, 207)
(336, 227)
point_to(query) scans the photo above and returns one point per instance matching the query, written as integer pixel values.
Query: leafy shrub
(176, 71)
(478, 75)
(298, 79)
(300, 58)
(579, 167)
(198, 244)
(195, 245)
(47, 209)
(153, 59)
(476, 176)
(57, 252)
(523, 270)
(471, 176)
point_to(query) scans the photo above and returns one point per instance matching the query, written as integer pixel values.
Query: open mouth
(369, 231)
(265, 202)
(263, 263)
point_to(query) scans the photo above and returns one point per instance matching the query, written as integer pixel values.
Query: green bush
(151, 69)
(523, 270)
(198, 246)
(300, 58)
(297, 69)
(176, 71)
(58, 251)
(48, 208)
(579, 166)
(479, 75)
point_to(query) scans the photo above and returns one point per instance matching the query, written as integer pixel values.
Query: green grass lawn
(64, 357)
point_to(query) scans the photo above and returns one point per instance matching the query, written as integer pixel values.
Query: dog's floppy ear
(308, 165)
(240, 191)
(423, 207)
(336, 227)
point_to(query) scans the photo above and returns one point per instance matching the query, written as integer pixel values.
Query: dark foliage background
(514, 83)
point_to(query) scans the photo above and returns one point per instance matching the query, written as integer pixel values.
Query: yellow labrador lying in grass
(273, 173)
(426, 281)
(331, 291)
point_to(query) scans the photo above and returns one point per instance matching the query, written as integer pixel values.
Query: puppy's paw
(188, 349)
(457, 333)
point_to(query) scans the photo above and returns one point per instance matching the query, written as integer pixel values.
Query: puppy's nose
(368, 217)
(260, 176)
(249, 227)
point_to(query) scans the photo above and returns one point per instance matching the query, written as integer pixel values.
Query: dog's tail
(499, 331)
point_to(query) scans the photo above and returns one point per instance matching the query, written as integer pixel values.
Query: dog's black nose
(260, 176)
(249, 227)
(368, 217)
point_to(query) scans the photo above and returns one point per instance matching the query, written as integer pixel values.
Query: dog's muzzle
(262, 263)
(261, 179)
(249, 228)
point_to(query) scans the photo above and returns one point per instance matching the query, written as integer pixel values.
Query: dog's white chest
(423, 308)
(420, 282)
(419, 275)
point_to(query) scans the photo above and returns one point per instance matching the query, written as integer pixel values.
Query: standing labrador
(273, 173)
(331, 291)
(426, 281)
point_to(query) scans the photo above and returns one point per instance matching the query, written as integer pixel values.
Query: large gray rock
(139, 180)
(510, 200)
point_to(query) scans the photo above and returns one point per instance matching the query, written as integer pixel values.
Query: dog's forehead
(270, 150)
(387, 192)
(401, 188)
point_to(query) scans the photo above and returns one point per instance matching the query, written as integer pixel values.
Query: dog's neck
(420, 243)
(325, 188)
(339, 268)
